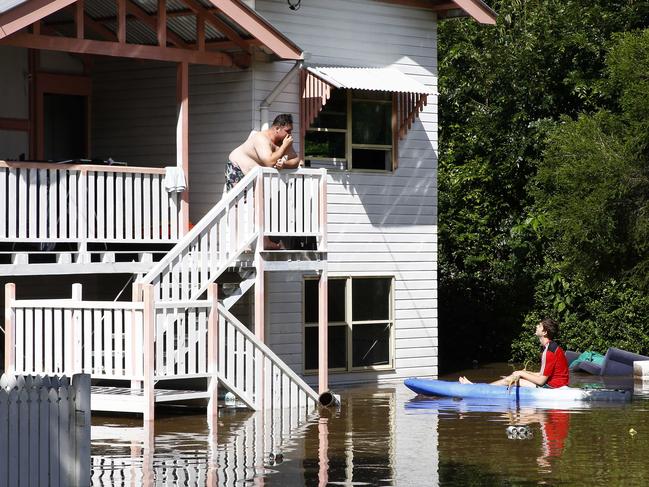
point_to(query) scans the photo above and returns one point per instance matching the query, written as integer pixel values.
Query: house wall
(379, 224)
(14, 101)
(134, 120)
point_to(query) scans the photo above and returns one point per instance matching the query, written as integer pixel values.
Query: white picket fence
(266, 202)
(86, 204)
(147, 341)
(45, 431)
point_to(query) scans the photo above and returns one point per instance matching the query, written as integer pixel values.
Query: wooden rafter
(121, 21)
(27, 13)
(87, 46)
(474, 8)
(151, 21)
(161, 27)
(79, 18)
(217, 23)
(259, 28)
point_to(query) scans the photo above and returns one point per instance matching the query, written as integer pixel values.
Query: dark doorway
(64, 127)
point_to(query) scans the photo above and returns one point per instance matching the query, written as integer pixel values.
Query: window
(353, 131)
(360, 323)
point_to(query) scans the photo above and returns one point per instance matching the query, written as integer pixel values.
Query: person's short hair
(551, 327)
(283, 120)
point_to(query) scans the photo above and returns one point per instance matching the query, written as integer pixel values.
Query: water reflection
(382, 436)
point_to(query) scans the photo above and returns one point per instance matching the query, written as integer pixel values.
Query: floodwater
(386, 436)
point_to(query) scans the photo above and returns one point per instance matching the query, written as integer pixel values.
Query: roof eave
(479, 10)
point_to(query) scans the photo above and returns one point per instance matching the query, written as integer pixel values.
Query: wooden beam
(182, 137)
(27, 13)
(14, 124)
(79, 18)
(121, 21)
(103, 48)
(478, 10)
(156, 25)
(99, 28)
(200, 32)
(248, 19)
(218, 24)
(161, 27)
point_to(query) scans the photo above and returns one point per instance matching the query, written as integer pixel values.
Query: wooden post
(323, 338)
(81, 417)
(149, 337)
(323, 211)
(213, 354)
(162, 23)
(79, 19)
(182, 137)
(74, 334)
(259, 261)
(134, 353)
(10, 328)
(121, 21)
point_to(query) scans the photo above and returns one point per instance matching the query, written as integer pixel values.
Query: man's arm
(266, 156)
(292, 162)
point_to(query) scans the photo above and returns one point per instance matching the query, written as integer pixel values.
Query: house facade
(123, 89)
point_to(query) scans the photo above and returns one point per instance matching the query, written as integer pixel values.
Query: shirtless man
(268, 148)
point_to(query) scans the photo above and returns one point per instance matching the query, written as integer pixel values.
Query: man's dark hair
(551, 327)
(283, 120)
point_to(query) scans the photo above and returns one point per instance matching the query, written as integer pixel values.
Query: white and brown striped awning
(317, 83)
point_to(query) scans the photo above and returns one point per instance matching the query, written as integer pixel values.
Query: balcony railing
(41, 202)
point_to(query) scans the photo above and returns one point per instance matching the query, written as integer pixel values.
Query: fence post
(10, 328)
(73, 337)
(323, 211)
(213, 353)
(82, 218)
(133, 352)
(81, 421)
(149, 337)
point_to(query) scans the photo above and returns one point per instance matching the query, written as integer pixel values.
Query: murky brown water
(386, 436)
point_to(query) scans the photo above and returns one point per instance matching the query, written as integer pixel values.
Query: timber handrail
(200, 227)
(266, 351)
(81, 167)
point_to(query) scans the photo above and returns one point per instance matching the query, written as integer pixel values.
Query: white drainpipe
(264, 107)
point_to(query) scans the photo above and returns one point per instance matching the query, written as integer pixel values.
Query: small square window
(337, 347)
(336, 300)
(371, 299)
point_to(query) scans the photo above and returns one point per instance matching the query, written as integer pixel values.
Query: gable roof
(229, 22)
(476, 9)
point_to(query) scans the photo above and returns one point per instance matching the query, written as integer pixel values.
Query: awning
(409, 94)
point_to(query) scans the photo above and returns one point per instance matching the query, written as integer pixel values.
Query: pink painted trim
(14, 124)
(478, 10)
(84, 167)
(259, 28)
(28, 13)
(182, 137)
(213, 351)
(161, 26)
(323, 335)
(259, 282)
(115, 49)
(10, 328)
(149, 364)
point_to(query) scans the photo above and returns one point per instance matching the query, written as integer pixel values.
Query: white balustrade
(86, 203)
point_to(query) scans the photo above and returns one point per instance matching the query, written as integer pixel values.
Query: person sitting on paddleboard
(554, 366)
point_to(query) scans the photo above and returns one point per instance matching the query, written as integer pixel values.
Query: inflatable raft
(441, 388)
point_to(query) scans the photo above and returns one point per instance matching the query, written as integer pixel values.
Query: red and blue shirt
(554, 365)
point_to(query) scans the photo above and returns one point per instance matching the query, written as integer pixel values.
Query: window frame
(348, 161)
(349, 323)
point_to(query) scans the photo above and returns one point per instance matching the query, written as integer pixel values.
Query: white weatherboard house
(116, 120)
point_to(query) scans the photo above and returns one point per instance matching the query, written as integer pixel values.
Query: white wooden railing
(293, 202)
(86, 203)
(44, 431)
(247, 364)
(148, 341)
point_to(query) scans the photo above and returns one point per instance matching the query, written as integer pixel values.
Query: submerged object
(430, 387)
(616, 362)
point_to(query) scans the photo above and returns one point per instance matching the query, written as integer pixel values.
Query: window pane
(337, 347)
(334, 113)
(371, 345)
(371, 298)
(324, 144)
(371, 123)
(336, 298)
(372, 159)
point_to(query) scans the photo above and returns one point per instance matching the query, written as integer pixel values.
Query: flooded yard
(386, 436)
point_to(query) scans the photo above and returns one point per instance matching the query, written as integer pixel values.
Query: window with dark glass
(352, 131)
(360, 325)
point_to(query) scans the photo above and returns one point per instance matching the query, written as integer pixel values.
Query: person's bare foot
(464, 380)
(270, 245)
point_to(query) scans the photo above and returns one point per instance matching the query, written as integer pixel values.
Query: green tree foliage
(592, 188)
(503, 89)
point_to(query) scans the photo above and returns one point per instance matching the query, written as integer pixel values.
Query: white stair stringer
(238, 293)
